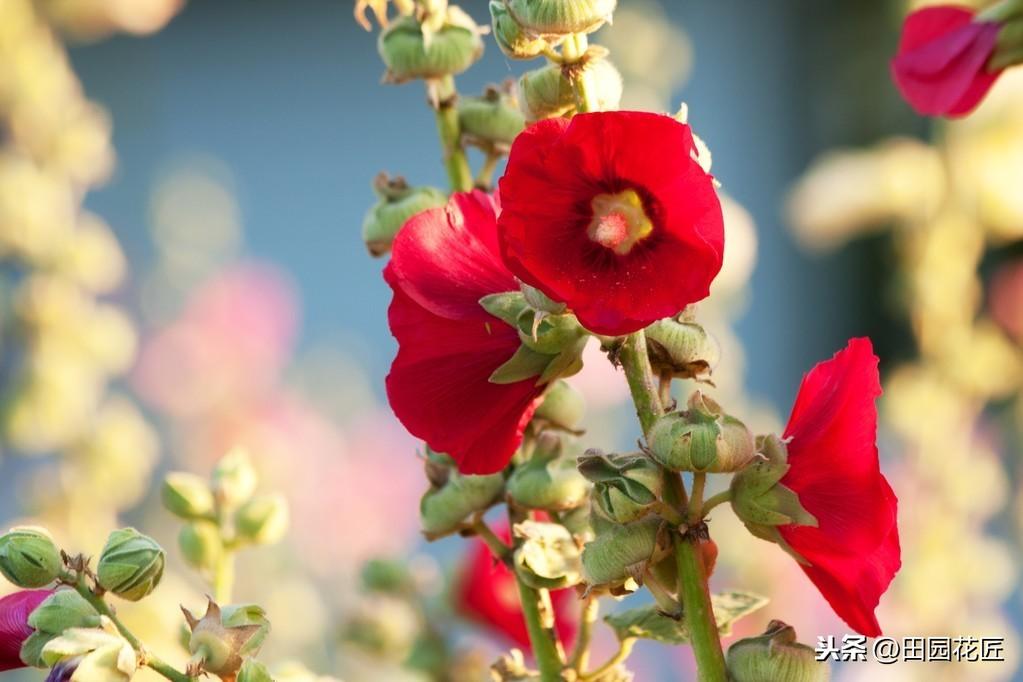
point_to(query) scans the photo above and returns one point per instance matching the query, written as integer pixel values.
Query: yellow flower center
(619, 221)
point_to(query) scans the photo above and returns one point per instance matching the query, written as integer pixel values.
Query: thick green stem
(541, 636)
(639, 374)
(696, 497)
(455, 160)
(695, 595)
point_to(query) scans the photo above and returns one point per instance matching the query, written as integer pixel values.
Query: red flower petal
(940, 67)
(555, 170)
(14, 630)
(486, 592)
(442, 263)
(853, 553)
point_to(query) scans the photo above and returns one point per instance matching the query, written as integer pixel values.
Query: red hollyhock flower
(611, 214)
(941, 64)
(486, 592)
(853, 553)
(14, 630)
(442, 263)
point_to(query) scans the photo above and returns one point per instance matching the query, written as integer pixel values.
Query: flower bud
(387, 575)
(234, 479)
(131, 564)
(625, 486)
(701, 438)
(187, 495)
(263, 520)
(775, 656)
(563, 407)
(253, 671)
(201, 545)
(682, 349)
(223, 638)
(411, 49)
(444, 509)
(560, 17)
(62, 610)
(511, 38)
(548, 480)
(398, 202)
(548, 556)
(94, 654)
(28, 557)
(548, 92)
(491, 121)
(383, 625)
(619, 552)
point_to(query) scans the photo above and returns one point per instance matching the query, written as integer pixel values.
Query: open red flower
(442, 263)
(941, 64)
(611, 214)
(487, 593)
(14, 630)
(853, 553)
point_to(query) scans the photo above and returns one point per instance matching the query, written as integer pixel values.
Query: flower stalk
(455, 161)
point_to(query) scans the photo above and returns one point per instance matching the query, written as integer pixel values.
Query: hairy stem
(695, 595)
(455, 160)
(541, 635)
(639, 374)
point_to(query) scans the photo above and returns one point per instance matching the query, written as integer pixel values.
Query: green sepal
(62, 610)
(507, 306)
(646, 622)
(32, 648)
(524, 364)
(254, 671)
(566, 363)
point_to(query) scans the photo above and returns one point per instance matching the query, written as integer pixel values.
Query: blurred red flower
(941, 63)
(612, 214)
(443, 262)
(14, 630)
(853, 553)
(486, 592)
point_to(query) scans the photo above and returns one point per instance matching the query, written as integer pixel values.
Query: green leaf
(524, 364)
(645, 622)
(731, 606)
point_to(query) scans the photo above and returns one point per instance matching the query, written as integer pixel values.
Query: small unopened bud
(775, 656)
(512, 38)
(549, 480)
(397, 203)
(263, 520)
(62, 610)
(223, 638)
(563, 407)
(384, 625)
(619, 552)
(625, 486)
(187, 495)
(681, 349)
(131, 564)
(28, 557)
(547, 556)
(701, 438)
(491, 121)
(201, 545)
(411, 49)
(561, 17)
(548, 92)
(387, 575)
(254, 671)
(443, 510)
(234, 479)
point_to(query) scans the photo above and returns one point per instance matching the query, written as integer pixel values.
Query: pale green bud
(411, 49)
(387, 575)
(28, 557)
(444, 509)
(548, 92)
(234, 479)
(187, 495)
(384, 625)
(682, 349)
(102, 654)
(397, 203)
(62, 610)
(701, 438)
(626, 487)
(775, 656)
(619, 552)
(254, 671)
(560, 17)
(131, 564)
(263, 520)
(223, 638)
(201, 545)
(491, 121)
(563, 407)
(549, 480)
(512, 38)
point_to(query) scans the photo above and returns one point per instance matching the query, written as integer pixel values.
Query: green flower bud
(547, 556)
(28, 557)
(491, 121)
(223, 638)
(387, 575)
(102, 654)
(563, 407)
(548, 92)
(263, 520)
(411, 49)
(234, 479)
(131, 564)
(548, 480)
(443, 510)
(702, 438)
(775, 656)
(619, 552)
(626, 487)
(383, 625)
(560, 17)
(682, 349)
(201, 545)
(187, 495)
(254, 671)
(62, 610)
(511, 38)
(398, 202)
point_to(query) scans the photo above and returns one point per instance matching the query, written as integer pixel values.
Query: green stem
(715, 500)
(624, 649)
(541, 636)
(485, 177)
(455, 160)
(639, 374)
(695, 595)
(501, 550)
(223, 577)
(1000, 12)
(581, 654)
(696, 497)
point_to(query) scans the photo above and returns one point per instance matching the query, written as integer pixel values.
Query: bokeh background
(181, 193)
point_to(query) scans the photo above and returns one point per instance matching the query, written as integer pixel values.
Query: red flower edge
(14, 629)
